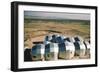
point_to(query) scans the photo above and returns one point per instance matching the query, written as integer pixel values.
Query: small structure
(51, 51)
(27, 55)
(66, 50)
(80, 48)
(38, 52)
(70, 49)
(62, 51)
(87, 44)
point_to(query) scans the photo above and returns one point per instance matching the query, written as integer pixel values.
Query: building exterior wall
(38, 57)
(53, 49)
(51, 56)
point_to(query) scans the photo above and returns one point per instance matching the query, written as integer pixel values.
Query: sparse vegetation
(37, 29)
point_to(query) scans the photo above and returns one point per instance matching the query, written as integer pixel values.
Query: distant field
(35, 30)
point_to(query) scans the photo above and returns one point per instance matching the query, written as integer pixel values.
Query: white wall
(5, 17)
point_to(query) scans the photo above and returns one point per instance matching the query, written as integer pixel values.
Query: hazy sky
(56, 15)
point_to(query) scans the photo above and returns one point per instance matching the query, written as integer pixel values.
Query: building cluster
(57, 46)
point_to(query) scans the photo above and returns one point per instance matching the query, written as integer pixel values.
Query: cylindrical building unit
(66, 50)
(62, 51)
(51, 51)
(38, 52)
(27, 54)
(87, 44)
(80, 49)
(70, 49)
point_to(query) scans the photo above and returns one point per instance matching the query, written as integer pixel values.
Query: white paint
(82, 45)
(42, 48)
(49, 37)
(58, 35)
(87, 44)
(71, 39)
(54, 47)
(69, 46)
